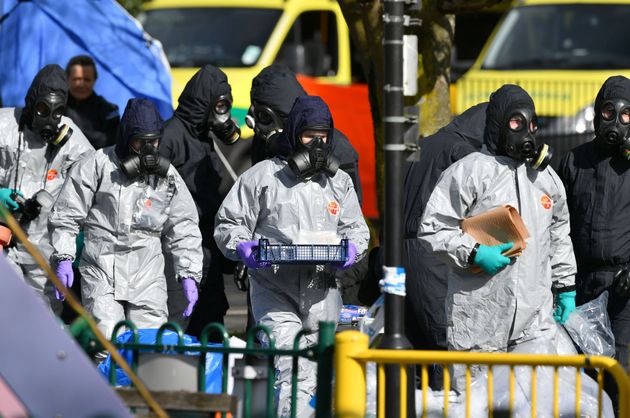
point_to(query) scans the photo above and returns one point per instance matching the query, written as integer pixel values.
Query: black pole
(394, 150)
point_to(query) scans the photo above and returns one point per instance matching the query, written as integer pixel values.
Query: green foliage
(132, 6)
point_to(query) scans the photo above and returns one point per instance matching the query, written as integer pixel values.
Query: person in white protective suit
(128, 199)
(38, 146)
(298, 193)
(510, 302)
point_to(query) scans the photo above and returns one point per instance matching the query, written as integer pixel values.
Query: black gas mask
(146, 159)
(313, 157)
(613, 126)
(220, 122)
(264, 121)
(47, 112)
(518, 136)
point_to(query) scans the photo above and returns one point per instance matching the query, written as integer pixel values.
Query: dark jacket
(597, 181)
(598, 196)
(187, 146)
(277, 88)
(451, 143)
(97, 118)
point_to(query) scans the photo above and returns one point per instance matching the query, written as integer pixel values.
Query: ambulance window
(311, 46)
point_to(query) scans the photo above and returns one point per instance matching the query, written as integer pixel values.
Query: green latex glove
(7, 200)
(565, 304)
(490, 257)
(79, 243)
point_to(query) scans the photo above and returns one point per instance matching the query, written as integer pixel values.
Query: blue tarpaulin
(38, 32)
(214, 361)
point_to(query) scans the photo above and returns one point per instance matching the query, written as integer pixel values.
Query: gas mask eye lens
(516, 123)
(624, 116)
(140, 142)
(608, 111)
(222, 107)
(42, 109)
(58, 113)
(533, 126)
(264, 118)
(309, 137)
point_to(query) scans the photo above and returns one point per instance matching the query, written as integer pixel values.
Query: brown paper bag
(498, 226)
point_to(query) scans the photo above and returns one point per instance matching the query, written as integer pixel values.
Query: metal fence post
(350, 386)
(325, 351)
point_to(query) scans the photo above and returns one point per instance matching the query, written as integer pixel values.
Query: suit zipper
(518, 191)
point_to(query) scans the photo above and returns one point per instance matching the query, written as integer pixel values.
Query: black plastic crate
(302, 253)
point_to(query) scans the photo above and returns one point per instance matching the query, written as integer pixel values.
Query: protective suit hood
(50, 79)
(276, 87)
(140, 117)
(200, 93)
(501, 102)
(470, 125)
(612, 114)
(615, 87)
(307, 111)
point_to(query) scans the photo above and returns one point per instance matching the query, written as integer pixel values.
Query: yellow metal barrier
(352, 353)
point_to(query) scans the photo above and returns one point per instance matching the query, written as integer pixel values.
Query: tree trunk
(366, 30)
(435, 41)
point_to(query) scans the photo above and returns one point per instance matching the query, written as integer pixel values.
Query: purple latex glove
(66, 275)
(246, 250)
(191, 293)
(352, 256)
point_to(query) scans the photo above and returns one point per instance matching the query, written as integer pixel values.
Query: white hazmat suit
(124, 222)
(493, 313)
(269, 201)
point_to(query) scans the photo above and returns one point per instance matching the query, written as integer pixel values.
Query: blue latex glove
(490, 257)
(245, 250)
(565, 304)
(352, 256)
(191, 293)
(65, 274)
(7, 201)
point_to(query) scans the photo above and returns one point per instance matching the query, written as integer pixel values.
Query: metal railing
(352, 353)
(322, 353)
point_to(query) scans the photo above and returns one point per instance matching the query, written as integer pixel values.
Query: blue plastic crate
(302, 253)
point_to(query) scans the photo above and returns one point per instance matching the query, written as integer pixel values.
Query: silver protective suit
(124, 222)
(268, 201)
(490, 313)
(37, 166)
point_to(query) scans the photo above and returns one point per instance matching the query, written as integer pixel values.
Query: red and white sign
(333, 208)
